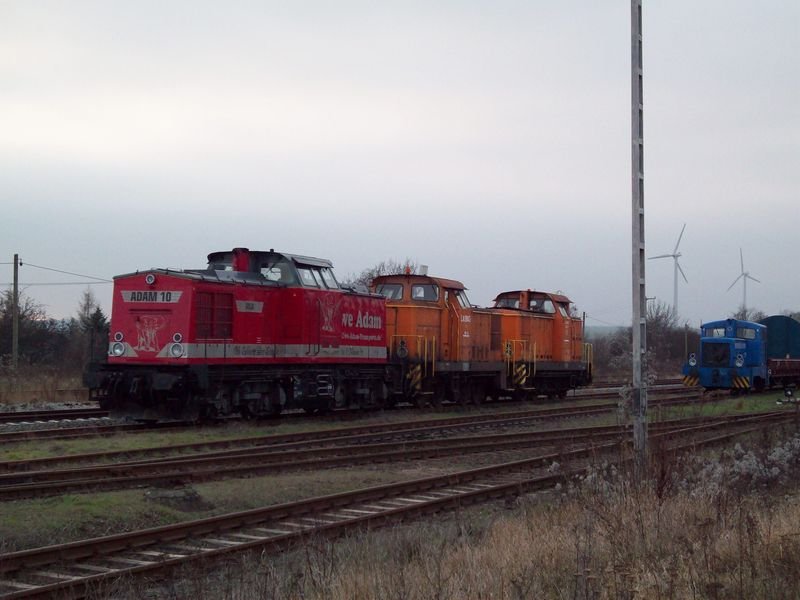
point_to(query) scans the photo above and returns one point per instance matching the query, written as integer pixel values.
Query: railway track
(92, 429)
(43, 416)
(314, 454)
(69, 570)
(556, 412)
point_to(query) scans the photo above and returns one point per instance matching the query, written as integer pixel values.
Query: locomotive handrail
(455, 316)
(588, 356)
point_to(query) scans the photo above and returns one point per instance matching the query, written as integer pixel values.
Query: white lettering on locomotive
(368, 321)
(362, 321)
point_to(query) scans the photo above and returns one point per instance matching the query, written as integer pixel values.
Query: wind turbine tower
(744, 276)
(675, 256)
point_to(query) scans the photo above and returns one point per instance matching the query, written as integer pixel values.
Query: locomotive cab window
(562, 309)
(306, 277)
(330, 280)
(426, 292)
(391, 291)
(745, 333)
(280, 271)
(507, 303)
(716, 354)
(546, 306)
(463, 301)
(714, 332)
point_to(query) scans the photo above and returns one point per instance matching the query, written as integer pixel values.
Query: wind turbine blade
(679, 239)
(734, 282)
(661, 256)
(681, 270)
(741, 258)
(753, 278)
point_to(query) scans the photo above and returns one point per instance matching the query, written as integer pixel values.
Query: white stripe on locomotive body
(272, 351)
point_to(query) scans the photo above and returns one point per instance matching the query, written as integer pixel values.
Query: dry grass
(723, 529)
(39, 385)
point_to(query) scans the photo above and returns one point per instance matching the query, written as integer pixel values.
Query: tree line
(66, 345)
(668, 342)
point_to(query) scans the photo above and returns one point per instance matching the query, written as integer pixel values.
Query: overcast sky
(488, 140)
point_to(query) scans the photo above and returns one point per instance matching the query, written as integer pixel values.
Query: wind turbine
(675, 255)
(744, 276)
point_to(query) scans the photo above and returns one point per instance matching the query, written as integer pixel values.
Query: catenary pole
(638, 322)
(15, 317)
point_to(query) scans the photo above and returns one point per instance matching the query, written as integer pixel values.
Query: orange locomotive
(444, 348)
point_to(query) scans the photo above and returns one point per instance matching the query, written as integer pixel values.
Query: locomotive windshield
(317, 277)
(542, 305)
(425, 291)
(745, 333)
(714, 332)
(280, 270)
(510, 302)
(391, 291)
(716, 354)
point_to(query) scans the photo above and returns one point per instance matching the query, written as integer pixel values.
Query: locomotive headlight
(118, 337)
(149, 279)
(692, 360)
(177, 338)
(176, 350)
(118, 349)
(739, 360)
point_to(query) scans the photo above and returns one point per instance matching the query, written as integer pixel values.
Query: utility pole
(638, 323)
(15, 317)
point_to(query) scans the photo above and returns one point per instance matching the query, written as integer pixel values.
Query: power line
(64, 283)
(27, 264)
(603, 322)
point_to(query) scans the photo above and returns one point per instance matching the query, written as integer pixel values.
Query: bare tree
(749, 314)
(386, 267)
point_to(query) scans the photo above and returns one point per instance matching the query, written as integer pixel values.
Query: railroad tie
(191, 549)
(158, 554)
(53, 575)
(17, 585)
(94, 568)
(428, 497)
(379, 507)
(129, 561)
(293, 524)
(247, 536)
(408, 501)
(393, 504)
(316, 521)
(223, 542)
(271, 532)
(359, 511)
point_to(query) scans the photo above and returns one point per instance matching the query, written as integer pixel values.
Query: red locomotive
(257, 332)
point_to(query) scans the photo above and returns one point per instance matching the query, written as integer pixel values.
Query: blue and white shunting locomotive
(741, 356)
